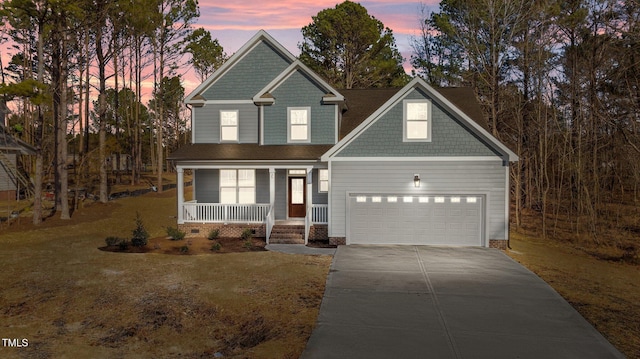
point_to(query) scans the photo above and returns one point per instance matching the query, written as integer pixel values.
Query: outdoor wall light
(416, 180)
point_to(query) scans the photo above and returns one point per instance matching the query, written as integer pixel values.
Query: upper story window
(229, 126)
(417, 120)
(299, 124)
(237, 186)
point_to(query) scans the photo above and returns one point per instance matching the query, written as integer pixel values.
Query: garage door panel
(397, 219)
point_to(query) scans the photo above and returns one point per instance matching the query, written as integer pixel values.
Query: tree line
(559, 81)
(68, 51)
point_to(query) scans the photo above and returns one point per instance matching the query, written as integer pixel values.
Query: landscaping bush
(246, 234)
(213, 234)
(248, 243)
(140, 234)
(124, 244)
(216, 247)
(184, 249)
(113, 241)
(175, 234)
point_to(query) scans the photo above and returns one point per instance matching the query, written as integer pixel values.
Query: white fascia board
(418, 159)
(235, 58)
(297, 65)
(228, 102)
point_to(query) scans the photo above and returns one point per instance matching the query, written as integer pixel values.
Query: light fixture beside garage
(416, 180)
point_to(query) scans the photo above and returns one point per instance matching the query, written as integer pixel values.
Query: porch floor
(290, 222)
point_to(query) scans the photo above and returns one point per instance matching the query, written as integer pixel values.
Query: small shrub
(246, 234)
(113, 241)
(175, 234)
(216, 247)
(213, 234)
(248, 243)
(184, 249)
(139, 235)
(124, 244)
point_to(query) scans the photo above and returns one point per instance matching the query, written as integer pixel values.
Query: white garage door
(400, 219)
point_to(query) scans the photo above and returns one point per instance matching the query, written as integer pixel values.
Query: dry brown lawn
(606, 293)
(71, 300)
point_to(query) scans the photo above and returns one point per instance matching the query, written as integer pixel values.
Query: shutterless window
(417, 126)
(229, 126)
(299, 119)
(323, 180)
(237, 186)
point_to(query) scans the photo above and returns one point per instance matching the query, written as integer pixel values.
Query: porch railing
(319, 214)
(228, 213)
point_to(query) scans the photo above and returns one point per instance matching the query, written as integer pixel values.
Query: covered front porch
(254, 195)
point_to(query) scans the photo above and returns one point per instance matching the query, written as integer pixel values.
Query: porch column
(309, 188)
(180, 191)
(272, 186)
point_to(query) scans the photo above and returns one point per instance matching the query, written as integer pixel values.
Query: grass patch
(72, 300)
(605, 292)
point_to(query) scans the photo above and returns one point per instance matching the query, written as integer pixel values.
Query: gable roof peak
(260, 36)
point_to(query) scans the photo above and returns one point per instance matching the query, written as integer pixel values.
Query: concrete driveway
(445, 302)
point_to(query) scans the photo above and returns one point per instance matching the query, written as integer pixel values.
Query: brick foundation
(337, 241)
(9, 195)
(498, 243)
(319, 232)
(231, 230)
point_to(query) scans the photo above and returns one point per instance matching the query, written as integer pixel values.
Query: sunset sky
(233, 22)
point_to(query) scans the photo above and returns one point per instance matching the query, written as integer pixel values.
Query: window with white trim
(229, 126)
(323, 180)
(417, 120)
(299, 124)
(237, 186)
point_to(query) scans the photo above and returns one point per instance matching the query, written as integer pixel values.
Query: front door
(297, 197)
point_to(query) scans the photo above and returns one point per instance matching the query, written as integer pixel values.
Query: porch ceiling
(248, 151)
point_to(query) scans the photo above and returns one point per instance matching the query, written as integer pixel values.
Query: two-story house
(277, 149)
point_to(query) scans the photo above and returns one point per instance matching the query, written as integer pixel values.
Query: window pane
(324, 186)
(417, 130)
(299, 132)
(298, 117)
(246, 178)
(246, 195)
(297, 172)
(417, 111)
(324, 174)
(229, 133)
(297, 191)
(227, 178)
(228, 195)
(229, 118)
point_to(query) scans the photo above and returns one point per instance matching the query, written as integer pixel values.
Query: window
(299, 124)
(229, 126)
(417, 114)
(237, 186)
(323, 180)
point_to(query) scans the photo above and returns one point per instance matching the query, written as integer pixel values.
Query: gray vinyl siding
(486, 177)
(448, 136)
(299, 91)
(281, 195)
(7, 181)
(262, 186)
(206, 124)
(249, 75)
(207, 184)
(318, 198)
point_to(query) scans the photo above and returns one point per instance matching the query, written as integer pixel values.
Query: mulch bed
(190, 246)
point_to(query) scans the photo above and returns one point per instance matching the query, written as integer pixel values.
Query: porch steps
(287, 234)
